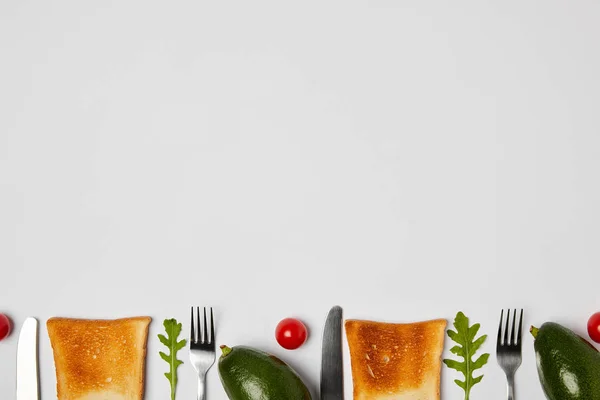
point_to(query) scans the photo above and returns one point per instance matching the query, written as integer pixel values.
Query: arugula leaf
(173, 330)
(466, 348)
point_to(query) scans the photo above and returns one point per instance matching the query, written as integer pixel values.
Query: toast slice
(99, 359)
(396, 361)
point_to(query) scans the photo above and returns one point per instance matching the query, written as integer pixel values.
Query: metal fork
(202, 348)
(508, 349)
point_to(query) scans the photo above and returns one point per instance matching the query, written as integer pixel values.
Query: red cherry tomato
(291, 333)
(594, 327)
(4, 326)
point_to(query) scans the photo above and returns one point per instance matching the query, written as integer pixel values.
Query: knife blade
(27, 361)
(332, 366)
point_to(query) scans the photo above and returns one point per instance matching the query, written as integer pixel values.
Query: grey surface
(420, 154)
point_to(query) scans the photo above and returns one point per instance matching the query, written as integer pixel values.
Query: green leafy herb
(466, 348)
(173, 330)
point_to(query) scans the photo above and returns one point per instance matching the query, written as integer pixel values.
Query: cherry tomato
(291, 333)
(4, 326)
(594, 327)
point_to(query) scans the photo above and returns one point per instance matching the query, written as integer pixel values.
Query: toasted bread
(396, 361)
(99, 359)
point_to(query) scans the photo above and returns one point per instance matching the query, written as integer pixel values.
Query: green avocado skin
(250, 374)
(568, 366)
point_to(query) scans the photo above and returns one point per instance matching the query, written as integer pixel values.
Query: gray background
(405, 159)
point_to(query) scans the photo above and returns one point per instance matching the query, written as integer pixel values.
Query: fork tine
(513, 336)
(192, 331)
(520, 329)
(212, 327)
(507, 330)
(205, 329)
(198, 326)
(499, 343)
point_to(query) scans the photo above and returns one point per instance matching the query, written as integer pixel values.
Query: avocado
(568, 365)
(250, 374)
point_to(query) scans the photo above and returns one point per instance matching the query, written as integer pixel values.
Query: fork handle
(202, 387)
(510, 379)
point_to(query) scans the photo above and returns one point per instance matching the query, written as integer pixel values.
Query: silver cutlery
(202, 348)
(508, 348)
(332, 366)
(27, 361)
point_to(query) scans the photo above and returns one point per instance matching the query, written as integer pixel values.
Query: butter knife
(332, 366)
(27, 361)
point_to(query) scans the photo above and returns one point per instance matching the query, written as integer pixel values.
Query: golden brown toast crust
(96, 357)
(396, 361)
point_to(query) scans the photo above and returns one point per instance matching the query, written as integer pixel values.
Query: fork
(508, 349)
(202, 348)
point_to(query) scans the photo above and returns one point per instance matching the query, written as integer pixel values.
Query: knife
(27, 361)
(332, 366)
